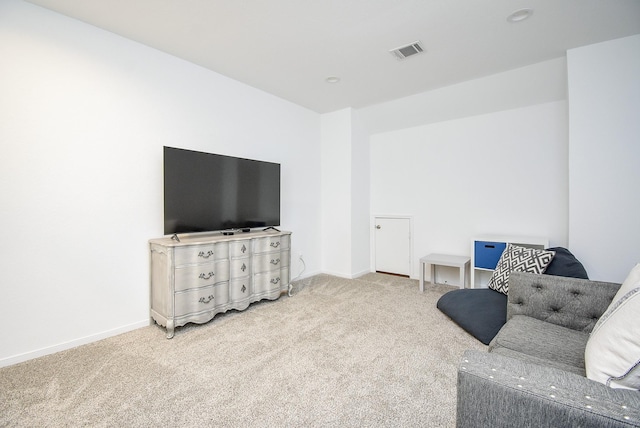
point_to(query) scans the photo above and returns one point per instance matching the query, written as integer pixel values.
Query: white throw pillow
(612, 355)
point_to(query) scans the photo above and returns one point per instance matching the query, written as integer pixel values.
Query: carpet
(372, 351)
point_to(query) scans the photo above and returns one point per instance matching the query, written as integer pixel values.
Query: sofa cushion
(542, 343)
(564, 263)
(518, 259)
(481, 312)
(612, 354)
(569, 302)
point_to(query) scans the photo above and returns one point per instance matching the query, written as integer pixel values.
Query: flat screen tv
(206, 192)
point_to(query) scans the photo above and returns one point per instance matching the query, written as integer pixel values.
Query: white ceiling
(289, 47)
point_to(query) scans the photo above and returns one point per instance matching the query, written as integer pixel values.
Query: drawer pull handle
(275, 244)
(489, 246)
(275, 280)
(243, 268)
(205, 255)
(243, 289)
(275, 262)
(206, 300)
(243, 249)
(206, 275)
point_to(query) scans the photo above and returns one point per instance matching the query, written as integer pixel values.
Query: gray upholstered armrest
(497, 391)
(569, 302)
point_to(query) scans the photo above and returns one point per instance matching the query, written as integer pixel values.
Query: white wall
(412, 130)
(345, 194)
(597, 219)
(336, 192)
(502, 173)
(360, 198)
(535, 84)
(84, 115)
(604, 94)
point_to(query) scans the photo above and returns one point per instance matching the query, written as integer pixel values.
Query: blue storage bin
(487, 253)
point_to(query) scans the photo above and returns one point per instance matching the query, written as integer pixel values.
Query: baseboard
(305, 277)
(9, 361)
(359, 274)
(344, 276)
(339, 275)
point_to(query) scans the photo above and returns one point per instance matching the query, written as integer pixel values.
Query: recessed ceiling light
(520, 15)
(332, 79)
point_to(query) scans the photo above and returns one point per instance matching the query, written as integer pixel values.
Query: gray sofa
(534, 372)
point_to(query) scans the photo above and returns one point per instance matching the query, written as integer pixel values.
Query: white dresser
(203, 275)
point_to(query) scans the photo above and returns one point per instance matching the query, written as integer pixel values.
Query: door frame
(372, 240)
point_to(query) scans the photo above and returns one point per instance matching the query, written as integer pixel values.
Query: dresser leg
(170, 329)
(290, 289)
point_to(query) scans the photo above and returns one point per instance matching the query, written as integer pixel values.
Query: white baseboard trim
(339, 275)
(359, 274)
(9, 361)
(342, 275)
(304, 276)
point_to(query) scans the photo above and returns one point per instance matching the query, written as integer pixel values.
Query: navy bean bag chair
(482, 311)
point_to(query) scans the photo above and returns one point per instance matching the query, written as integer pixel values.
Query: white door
(393, 245)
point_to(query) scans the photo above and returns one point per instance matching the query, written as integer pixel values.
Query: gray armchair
(534, 374)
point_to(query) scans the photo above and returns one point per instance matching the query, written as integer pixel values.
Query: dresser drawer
(239, 248)
(194, 276)
(201, 299)
(270, 261)
(239, 289)
(194, 254)
(271, 243)
(239, 268)
(270, 281)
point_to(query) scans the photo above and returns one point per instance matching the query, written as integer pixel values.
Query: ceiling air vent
(406, 51)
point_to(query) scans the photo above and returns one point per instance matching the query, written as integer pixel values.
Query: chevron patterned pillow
(518, 259)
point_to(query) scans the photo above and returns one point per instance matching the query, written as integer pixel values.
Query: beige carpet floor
(369, 352)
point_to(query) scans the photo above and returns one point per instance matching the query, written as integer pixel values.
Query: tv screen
(209, 192)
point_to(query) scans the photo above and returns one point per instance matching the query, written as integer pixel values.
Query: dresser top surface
(213, 237)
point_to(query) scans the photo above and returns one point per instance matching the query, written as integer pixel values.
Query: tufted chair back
(570, 302)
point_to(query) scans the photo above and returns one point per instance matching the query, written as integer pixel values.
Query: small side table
(461, 262)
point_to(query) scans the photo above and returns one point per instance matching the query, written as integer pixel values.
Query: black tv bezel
(264, 222)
